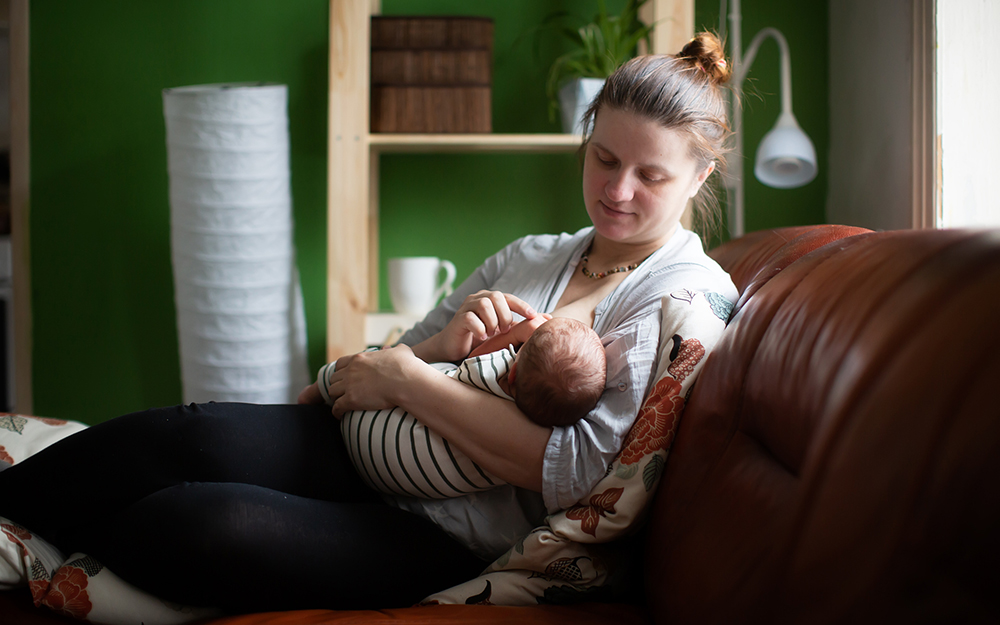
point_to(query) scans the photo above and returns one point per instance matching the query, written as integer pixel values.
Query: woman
(257, 507)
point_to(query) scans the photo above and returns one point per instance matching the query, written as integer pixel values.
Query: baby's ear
(511, 375)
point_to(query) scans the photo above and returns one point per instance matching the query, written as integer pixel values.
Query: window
(968, 93)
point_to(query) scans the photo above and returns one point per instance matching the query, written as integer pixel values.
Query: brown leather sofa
(839, 458)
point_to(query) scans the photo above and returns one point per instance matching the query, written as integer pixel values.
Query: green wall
(104, 333)
(105, 339)
(487, 201)
(804, 25)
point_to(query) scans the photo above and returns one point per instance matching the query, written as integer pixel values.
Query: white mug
(413, 283)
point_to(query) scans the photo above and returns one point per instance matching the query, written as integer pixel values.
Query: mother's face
(638, 177)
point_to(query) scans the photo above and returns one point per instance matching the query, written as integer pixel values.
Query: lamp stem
(786, 64)
(735, 188)
(740, 68)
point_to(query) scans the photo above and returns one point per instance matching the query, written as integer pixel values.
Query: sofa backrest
(755, 258)
(839, 457)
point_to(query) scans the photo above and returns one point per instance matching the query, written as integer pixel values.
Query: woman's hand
(311, 395)
(372, 380)
(482, 315)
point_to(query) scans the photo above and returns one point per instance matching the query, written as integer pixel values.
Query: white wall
(968, 102)
(870, 177)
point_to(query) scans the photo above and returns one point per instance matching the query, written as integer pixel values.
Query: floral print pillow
(22, 436)
(78, 585)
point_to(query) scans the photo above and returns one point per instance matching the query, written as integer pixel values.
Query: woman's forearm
(489, 430)
(428, 350)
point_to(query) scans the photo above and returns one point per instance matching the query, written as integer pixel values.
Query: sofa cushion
(840, 452)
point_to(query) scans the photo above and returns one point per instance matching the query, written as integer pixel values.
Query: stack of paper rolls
(239, 305)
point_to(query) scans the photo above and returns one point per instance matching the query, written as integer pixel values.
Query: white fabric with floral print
(77, 585)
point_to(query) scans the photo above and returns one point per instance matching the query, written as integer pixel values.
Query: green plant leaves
(626, 471)
(654, 469)
(600, 46)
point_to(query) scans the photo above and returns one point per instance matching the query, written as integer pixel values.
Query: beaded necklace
(603, 274)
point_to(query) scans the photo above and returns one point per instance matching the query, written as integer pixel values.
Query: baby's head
(559, 373)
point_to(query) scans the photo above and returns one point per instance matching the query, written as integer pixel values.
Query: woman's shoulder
(553, 242)
(685, 264)
(680, 266)
(542, 249)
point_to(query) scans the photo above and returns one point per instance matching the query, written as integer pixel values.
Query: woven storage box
(431, 74)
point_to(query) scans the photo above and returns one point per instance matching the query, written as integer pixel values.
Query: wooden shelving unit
(352, 180)
(530, 143)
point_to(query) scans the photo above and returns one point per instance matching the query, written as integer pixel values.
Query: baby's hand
(310, 395)
(516, 336)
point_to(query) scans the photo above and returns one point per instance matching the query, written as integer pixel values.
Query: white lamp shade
(240, 315)
(786, 157)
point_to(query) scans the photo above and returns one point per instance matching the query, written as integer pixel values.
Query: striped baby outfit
(395, 454)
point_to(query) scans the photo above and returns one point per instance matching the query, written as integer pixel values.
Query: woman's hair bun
(706, 53)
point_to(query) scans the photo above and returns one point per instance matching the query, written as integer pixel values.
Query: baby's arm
(516, 336)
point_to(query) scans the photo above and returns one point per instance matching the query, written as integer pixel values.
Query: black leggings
(244, 507)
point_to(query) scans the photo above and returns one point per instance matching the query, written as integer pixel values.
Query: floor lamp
(786, 157)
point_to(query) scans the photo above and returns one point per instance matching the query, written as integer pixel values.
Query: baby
(555, 379)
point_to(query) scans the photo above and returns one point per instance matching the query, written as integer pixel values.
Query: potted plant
(599, 48)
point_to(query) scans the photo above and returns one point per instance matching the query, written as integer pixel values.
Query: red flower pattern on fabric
(690, 354)
(68, 593)
(14, 532)
(590, 515)
(654, 427)
(38, 588)
(39, 582)
(6, 457)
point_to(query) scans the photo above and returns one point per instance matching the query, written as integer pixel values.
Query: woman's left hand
(372, 380)
(483, 314)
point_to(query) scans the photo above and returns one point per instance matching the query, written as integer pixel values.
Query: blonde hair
(683, 92)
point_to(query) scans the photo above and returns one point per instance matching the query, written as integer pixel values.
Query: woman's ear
(702, 177)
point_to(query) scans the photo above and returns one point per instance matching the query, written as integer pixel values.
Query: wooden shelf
(466, 143)
(352, 164)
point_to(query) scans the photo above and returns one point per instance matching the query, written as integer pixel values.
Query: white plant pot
(574, 99)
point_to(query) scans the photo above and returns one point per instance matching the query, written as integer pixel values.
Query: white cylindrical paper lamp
(240, 316)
